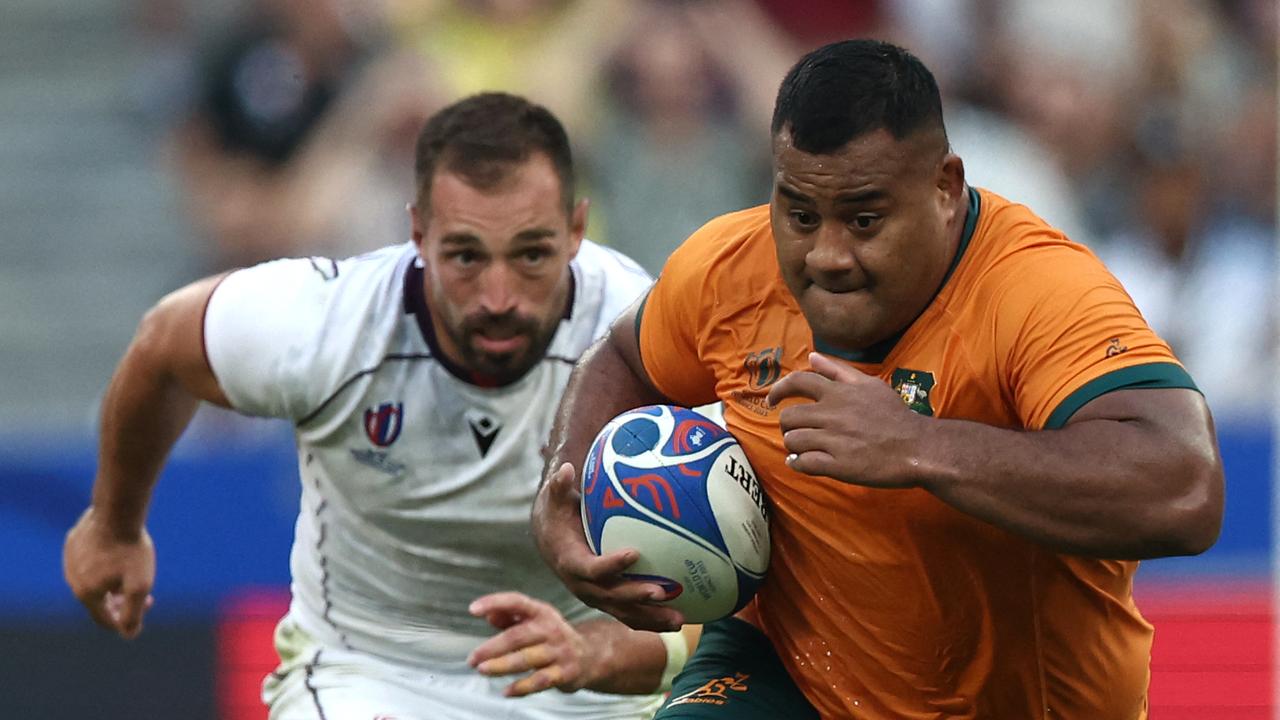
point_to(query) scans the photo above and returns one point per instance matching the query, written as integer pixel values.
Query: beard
(503, 367)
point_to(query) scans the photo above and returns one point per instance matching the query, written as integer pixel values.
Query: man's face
(865, 235)
(497, 265)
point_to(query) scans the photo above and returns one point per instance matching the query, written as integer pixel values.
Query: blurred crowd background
(145, 143)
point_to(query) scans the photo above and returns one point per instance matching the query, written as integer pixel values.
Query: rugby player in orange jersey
(967, 431)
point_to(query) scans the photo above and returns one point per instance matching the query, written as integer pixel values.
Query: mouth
(499, 345)
(837, 290)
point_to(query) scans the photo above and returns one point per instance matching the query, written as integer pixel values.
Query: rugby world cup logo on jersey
(383, 424)
(764, 366)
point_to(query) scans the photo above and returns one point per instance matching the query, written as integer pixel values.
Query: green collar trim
(875, 354)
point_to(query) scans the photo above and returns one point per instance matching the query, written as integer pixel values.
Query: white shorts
(322, 683)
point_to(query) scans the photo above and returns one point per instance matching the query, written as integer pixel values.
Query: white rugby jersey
(416, 484)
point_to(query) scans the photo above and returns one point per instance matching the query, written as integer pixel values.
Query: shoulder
(726, 238)
(607, 283)
(1016, 250)
(317, 287)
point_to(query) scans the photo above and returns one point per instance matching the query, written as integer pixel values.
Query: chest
(411, 442)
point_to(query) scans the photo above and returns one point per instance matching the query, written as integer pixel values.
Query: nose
(832, 252)
(497, 290)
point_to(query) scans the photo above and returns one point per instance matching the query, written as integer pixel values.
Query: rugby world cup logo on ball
(677, 487)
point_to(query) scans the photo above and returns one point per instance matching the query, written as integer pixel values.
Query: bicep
(1176, 420)
(173, 333)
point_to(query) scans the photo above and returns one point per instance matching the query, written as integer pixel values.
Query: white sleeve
(262, 331)
(625, 281)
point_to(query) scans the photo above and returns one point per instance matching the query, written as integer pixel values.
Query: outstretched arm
(602, 655)
(609, 379)
(1133, 474)
(108, 559)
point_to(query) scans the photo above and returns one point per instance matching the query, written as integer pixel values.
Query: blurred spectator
(547, 50)
(302, 137)
(1198, 251)
(681, 137)
(813, 23)
(962, 40)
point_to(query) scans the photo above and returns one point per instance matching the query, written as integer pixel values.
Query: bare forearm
(149, 402)
(627, 662)
(1105, 488)
(143, 414)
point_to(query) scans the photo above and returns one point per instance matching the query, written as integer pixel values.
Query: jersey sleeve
(669, 326)
(1066, 333)
(262, 331)
(624, 281)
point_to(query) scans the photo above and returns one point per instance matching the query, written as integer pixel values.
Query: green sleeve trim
(1136, 377)
(640, 316)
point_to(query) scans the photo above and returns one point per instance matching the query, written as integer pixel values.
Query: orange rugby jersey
(889, 603)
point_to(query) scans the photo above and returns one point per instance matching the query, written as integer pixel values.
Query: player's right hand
(598, 580)
(111, 575)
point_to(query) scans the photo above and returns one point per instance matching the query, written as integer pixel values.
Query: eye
(532, 257)
(805, 219)
(465, 258)
(865, 221)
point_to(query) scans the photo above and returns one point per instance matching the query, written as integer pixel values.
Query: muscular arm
(107, 559)
(149, 402)
(609, 379)
(1134, 474)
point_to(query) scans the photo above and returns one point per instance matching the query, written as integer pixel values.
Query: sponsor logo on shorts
(714, 692)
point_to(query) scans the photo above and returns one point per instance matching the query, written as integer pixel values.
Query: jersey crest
(382, 424)
(915, 387)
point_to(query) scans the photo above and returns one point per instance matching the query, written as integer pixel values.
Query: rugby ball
(676, 486)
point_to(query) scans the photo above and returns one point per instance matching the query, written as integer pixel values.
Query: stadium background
(1146, 128)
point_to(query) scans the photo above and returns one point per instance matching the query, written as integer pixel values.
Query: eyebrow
(862, 196)
(460, 238)
(794, 194)
(535, 234)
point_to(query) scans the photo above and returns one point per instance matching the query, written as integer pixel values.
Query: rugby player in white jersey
(422, 380)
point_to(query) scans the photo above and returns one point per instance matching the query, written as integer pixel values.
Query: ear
(951, 188)
(418, 228)
(578, 225)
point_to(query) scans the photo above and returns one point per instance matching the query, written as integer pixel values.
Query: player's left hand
(856, 430)
(535, 638)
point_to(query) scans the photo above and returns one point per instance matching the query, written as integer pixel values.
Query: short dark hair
(843, 90)
(481, 136)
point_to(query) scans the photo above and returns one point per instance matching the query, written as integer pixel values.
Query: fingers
(813, 462)
(832, 370)
(563, 487)
(500, 655)
(503, 609)
(548, 677)
(606, 570)
(130, 607)
(654, 618)
(800, 384)
(102, 609)
(804, 439)
(531, 657)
